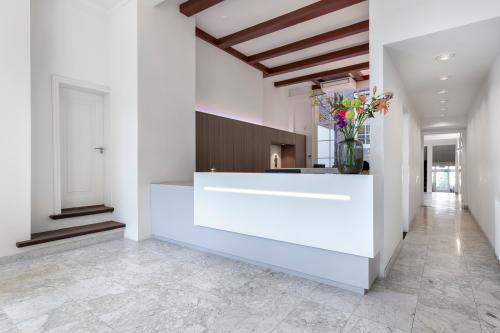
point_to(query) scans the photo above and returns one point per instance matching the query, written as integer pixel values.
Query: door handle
(101, 150)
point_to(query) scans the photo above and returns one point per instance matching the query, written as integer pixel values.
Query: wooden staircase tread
(82, 211)
(54, 235)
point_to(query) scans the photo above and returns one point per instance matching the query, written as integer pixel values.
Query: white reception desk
(315, 225)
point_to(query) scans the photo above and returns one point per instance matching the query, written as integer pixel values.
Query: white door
(82, 148)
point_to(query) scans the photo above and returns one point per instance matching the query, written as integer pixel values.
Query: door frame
(59, 82)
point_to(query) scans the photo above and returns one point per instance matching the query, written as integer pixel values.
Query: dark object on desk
(283, 171)
(366, 168)
(318, 166)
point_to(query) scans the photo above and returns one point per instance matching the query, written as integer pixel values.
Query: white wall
(68, 38)
(276, 111)
(413, 172)
(226, 86)
(167, 79)
(392, 21)
(83, 42)
(483, 155)
(146, 55)
(123, 77)
(392, 164)
(15, 123)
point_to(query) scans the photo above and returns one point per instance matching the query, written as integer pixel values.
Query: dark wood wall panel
(234, 146)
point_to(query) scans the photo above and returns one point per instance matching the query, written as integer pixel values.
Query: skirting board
(264, 265)
(46, 249)
(388, 268)
(484, 234)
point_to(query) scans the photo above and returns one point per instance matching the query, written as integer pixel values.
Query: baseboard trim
(264, 265)
(395, 255)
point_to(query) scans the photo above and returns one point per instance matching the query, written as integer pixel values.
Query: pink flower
(342, 112)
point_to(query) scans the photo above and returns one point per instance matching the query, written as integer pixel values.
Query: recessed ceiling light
(443, 101)
(442, 92)
(445, 56)
(444, 77)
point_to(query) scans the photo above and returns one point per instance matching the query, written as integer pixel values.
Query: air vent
(339, 85)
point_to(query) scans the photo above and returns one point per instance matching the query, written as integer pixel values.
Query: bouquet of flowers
(350, 114)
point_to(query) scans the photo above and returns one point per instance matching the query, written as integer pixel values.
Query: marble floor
(445, 279)
(442, 199)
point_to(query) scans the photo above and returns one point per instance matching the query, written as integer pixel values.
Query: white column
(457, 165)
(429, 169)
(15, 125)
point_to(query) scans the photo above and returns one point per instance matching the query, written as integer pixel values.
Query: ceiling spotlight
(443, 101)
(442, 92)
(445, 56)
(444, 78)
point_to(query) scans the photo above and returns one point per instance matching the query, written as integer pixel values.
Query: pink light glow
(227, 115)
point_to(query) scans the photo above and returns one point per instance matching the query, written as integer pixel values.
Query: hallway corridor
(448, 264)
(445, 279)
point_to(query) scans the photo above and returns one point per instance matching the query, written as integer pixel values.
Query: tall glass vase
(350, 156)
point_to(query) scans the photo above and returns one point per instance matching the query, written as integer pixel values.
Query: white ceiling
(231, 16)
(444, 136)
(104, 4)
(476, 47)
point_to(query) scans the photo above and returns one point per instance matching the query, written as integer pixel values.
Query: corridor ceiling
(445, 103)
(289, 41)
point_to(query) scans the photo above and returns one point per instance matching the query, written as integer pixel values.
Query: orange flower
(383, 105)
(359, 110)
(362, 98)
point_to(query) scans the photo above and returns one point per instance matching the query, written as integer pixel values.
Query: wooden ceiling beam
(310, 42)
(316, 76)
(193, 7)
(235, 53)
(300, 15)
(357, 76)
(320, 60)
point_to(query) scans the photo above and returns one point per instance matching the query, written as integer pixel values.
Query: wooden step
(67, 213)
(55, 235)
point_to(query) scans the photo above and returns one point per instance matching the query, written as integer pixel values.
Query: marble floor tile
(402, 278)
(388, 307)
(314, 318)
(490, 317)
(285, 283)
(264, 299)
(362, 325)
(70, 317)
(448, 293)
(240, 318)
(6, 324)
(441, 320)
(445, 279)
(336, 298)
(36, 305)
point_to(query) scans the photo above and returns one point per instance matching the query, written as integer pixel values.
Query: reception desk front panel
(325, 211)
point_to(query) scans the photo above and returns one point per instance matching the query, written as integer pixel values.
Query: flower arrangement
(350, 114)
